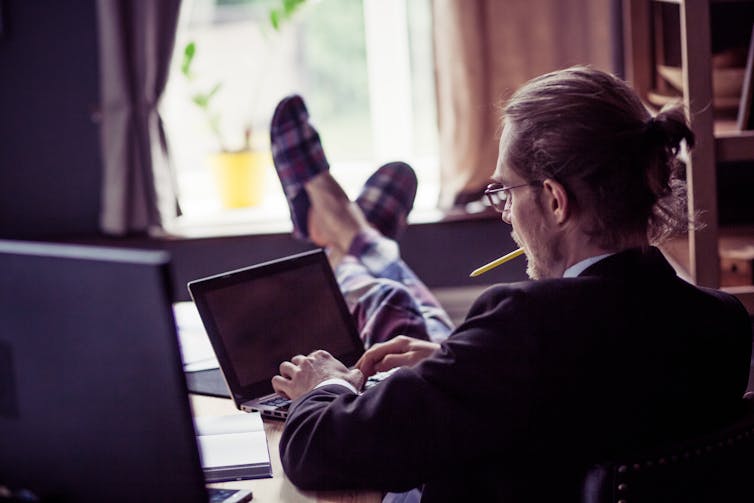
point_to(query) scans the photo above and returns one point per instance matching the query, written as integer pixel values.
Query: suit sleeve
(423, 422)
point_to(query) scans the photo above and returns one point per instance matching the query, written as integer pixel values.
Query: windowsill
(252, 221)
(205, 217)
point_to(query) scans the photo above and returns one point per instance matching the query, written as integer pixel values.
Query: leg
(387, 196)
(385, 296)
(387, 299)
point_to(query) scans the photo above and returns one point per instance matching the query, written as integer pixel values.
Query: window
(365, 70)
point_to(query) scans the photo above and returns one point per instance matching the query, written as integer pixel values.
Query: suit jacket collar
(631, 262)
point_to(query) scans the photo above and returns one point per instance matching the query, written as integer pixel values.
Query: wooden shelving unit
(704, 255)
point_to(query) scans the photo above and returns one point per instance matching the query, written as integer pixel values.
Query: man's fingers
(281, 385)
(392, 361)
(377, 352)
(367, 368)
(288, 369)
(320, 354)
(367, 362)
(366, 357)
(298, 359)
(357, 378)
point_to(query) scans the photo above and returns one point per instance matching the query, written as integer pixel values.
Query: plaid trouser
(385, 296)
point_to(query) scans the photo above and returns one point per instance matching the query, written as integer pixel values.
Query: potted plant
(239, 172)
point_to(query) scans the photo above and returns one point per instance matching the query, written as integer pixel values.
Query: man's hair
(589, 131)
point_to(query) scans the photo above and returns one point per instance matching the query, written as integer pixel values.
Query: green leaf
(188, 57)
(200, 100)
(290, 6)
(285, 12)
(214, 90)
(275, 19)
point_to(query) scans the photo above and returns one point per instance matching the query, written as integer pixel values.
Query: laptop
(93, 400)
(259, 316)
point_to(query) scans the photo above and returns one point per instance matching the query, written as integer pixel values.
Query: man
(605, 351)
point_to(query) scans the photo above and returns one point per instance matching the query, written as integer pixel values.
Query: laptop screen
(260, 316)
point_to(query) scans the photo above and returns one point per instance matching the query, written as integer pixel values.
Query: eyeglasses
(499, 196)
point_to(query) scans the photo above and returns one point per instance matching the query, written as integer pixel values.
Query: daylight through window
(364, 68)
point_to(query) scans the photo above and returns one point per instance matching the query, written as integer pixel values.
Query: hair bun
(668, 129)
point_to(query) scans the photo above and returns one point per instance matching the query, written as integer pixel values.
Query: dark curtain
(136, 44)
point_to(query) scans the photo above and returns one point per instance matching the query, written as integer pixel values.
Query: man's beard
(542, 256)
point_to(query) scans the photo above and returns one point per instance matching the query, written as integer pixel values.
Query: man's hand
(396, 352)
(303, 373)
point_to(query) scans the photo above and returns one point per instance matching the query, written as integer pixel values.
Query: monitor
(93, 400)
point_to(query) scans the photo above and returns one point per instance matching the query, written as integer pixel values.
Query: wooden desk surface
(277, 489)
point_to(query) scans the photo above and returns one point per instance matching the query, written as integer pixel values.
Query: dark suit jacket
(541, 379)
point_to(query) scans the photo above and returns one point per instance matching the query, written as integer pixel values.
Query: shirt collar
(579, 267)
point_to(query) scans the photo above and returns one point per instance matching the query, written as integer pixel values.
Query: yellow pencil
(497, 262)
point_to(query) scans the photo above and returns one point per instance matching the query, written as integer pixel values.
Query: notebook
(259, 316)
(93, 400)
(233, 446)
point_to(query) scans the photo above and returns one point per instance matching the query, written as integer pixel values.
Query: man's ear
(556, 200)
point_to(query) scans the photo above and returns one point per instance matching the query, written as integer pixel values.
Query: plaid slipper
(298, 157)
(387, 198)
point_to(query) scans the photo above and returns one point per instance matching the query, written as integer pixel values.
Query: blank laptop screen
(260, 316)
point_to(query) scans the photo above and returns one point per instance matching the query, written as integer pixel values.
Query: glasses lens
(497, 197)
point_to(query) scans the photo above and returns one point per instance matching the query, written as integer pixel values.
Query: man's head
(597, 172)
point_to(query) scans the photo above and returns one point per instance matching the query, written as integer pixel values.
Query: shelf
(732, 146)
(735, 245)
(736, 248)
(736, 252)
(713, 256)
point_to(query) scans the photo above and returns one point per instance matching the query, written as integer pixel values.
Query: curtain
(136, 39)
(484, 50)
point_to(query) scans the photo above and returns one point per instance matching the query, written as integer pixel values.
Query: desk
(277, 489)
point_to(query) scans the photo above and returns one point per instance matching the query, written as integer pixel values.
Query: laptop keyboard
(217, 495)
(281, 403)
(378, 378)
(277, 401)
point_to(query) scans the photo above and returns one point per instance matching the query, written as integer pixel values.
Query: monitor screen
(93, 400)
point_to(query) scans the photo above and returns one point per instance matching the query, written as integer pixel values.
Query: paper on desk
(196, 350)
(232, 423)
(233, 440)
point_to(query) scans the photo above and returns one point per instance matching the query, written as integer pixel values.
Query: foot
(384, 202)
(334, 220)
(298, 157)
(388, 197)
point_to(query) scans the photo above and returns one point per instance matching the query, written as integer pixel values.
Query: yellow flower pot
(240, 176)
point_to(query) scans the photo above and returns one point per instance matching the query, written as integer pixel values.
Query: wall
(49, 146)
(442, 254)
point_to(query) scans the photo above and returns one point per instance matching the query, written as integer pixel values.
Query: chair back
(716, 467)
